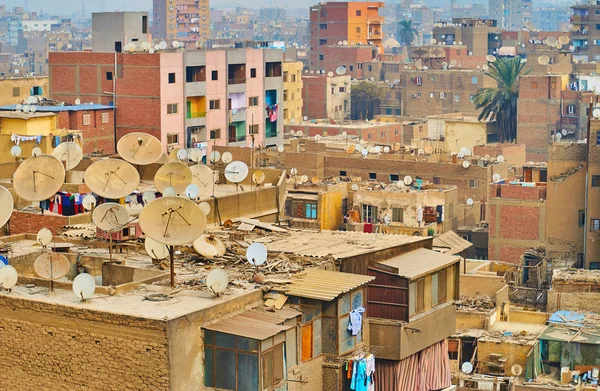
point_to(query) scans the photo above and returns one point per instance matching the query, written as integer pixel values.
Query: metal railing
(235, 138)
(238, 80)
(197, 114)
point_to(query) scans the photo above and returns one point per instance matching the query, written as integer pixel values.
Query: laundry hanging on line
(272, 112)
(361, 372)
(16, 139)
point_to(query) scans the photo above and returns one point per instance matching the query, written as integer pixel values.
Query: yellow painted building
(456, 131)
(29, 130)
(16, 90)
(292, 92)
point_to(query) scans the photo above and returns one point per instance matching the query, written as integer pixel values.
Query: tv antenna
(112, 178)
(174, 174)
(39, 178)
(139, 148)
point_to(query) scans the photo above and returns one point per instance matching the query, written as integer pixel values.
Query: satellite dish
(386, 149)
(236, 172)
(217, 281)
(280, 149)
(304, 179)
(175, 44)
(330, 74)
(169, 192)
(466, 164)
(36, 151)
(407, 180)
(227, 157)
(203, 177)
(396, 146)
(77, 102)
(496, 177)
(563, 39)
(400, 184)
(44, 237)
(174, 174)
(500, 158)
(155, 250)
(6, 205)
(293, 171)
(516, 370)
(51, 266)
(84, 286)
(467, 367)
(195, 155)
(205, 208)
(209, 246)
(596, 113)
(258, 177)
(139, 148)
(39, 178)
(148, 196)
(428, 149)
(564, 132)
(110, 216)
(8, 277)
(69, 153)
(355, 187)
(19, 107)
(551, 41)
(490, 58)
(162, 45)
(192, 191)
(558, 136)
(112, 178)
(182, 154)
(215, 156)
(26, 108)
(364, 152)
(317, 137)
(543, 60)
(305, 118)
(15, 151)
(485, 67)
(299, 133)
(341, 70)
(420, 151)
(256, 254)
(88, 202)
(172, 220)
(350, 149)
(469, 201)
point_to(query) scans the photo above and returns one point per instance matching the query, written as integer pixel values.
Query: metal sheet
(325, 285)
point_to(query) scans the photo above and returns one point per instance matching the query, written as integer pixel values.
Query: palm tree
(500, 103)
(406, 33)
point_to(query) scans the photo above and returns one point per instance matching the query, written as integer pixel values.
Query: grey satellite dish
(596, 113)
(148, 196)
(217, 281)
(84, 286)
(341, 70)
(15, 151)
(516, 370)
(169, 192)
(8, 277)
(44, 237)
(564, 132)
(496, 177)
(466, 164)
(467, 367)
(88, 202)
(256, 254)
(407, 180)
(182, 154)
(37, 151)
(558, 136)
(192, 191)
(204, 207)
(280, 148)
(469, 201)
(364, 152)
(500, 158)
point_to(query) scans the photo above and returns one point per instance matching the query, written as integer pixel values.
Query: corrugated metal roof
(254, 324)
(420, 262)
(450, 243)
(325, 285)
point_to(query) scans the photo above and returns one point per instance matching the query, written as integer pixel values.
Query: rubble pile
(482, 303)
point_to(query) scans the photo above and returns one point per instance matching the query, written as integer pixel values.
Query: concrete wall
(573, 301)
(466, 320)
(513, 352)
(171, 93)
(15, 90)
(473, 285)
(528, 317)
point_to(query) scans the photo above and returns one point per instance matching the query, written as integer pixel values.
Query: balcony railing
(198, 114)
(234, 138)
(239, 80)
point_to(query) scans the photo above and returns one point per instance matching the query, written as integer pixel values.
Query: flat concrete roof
(23, 115)
(52, 109)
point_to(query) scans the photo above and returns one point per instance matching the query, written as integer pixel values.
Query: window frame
(105, 118)
(172, 138)
(214, 75)
(86, 119)
(214, 104)
(171, 78)
(594, 225)
(172, 108)
(397, 215)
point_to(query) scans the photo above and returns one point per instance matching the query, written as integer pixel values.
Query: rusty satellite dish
(175, 174)
(140, 148)
(6, 205)
(39, 178)
(110, 216)
(172, 221)
(51, 266)
(112, 178)
(209, 246)
(69, 153)
(202, 176)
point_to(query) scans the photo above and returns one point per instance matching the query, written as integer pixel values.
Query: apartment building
(512, 14)
(357, 23)
(480, 36)
(192, 99)
(112, 31)
(326, 96)
(186, 21)
(292, 92)
(16, 90)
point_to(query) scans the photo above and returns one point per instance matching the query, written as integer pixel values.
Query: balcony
(237, 132)
(401, 339)
(199, 114)
(236, 81)
(579, 33)
(237, 114)
(580, 19)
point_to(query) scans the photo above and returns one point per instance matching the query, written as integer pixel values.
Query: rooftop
(325, 285)
(23, 115)
(419, 262)
(576, 275)
(56, 109)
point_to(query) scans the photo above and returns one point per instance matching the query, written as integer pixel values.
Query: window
(595, 225)
(321, 56)
(144, 24)
(453, 349)
(109, 76)
(307, 342)
(173, 138)
(215, 134)
(322, 42)
(442, 95)
(358, 13)
(171, 78)
(397, 215)
(435, 280)
(396, 132)
(87, 119)
(195, 74)
(253, 101)
(310, 211)
(473, 183)
(436, 180)
(252, 73)
(36, 90)
(369, 213)
(382, 134)
(285, 95)
(597, 138)
(16, 91)
(471, 98)
(342, 89)
(351, 68)
(342, 173)
(394, 177)
(581, 218)
(272, 366)
(253, 129)
(369, 136)
(322, 26)
(214, 104)
(419, 80)
(595, 180)
(571, 109)
(474, 80)
(594, 265)
(412, 298)
(358, 29)
(104, 118)
(231, 362)
(457, 98)
(534, 85)
(372, 176)
(172, 108)
(214, 75)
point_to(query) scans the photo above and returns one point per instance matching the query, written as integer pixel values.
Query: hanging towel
(353, 381)
(355, 324)
(368, 228)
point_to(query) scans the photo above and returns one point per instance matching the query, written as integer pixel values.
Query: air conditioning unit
(413, 96)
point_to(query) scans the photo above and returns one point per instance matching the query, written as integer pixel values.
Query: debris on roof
(482, 303)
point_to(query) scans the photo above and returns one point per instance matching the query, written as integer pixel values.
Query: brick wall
(28, 223)
(97, 135)
(56, 348)
(573, 301)
(310, 372)
(513, 154)
(513, 352)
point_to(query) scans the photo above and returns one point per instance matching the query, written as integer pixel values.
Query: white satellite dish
(217, 281)
(195, 155)
(256, 254)
(15, 151)
(77, 102)
(33, 109)
(293, 171)
(37, 151)
(330, 74)
(467, 367)
(355, 187)
(227, 157)
(469, 201)
(280, 149)
(558, 136)
(236, 171)
(496, 177)
(151, 50)
(182, 154)
(192, 191)
(400, 184)
(8, 277)
(364, 152)
(299, 133)
(516, 370)
(215, 156)
(596, 113)
(89, 202)
(466, 164)
(84, 286)
(386, 149)
(407, 180)
(175, 44)
(162, 45)
(148, 196)
(44, 237)
(500, 159)
(340, 70)
(564, 132)
(155, 249)
(204, 207)
(19, 107)
(169, 192)
(305, 118)
(317, 137)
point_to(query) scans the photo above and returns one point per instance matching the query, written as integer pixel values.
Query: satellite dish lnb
(256, 254)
